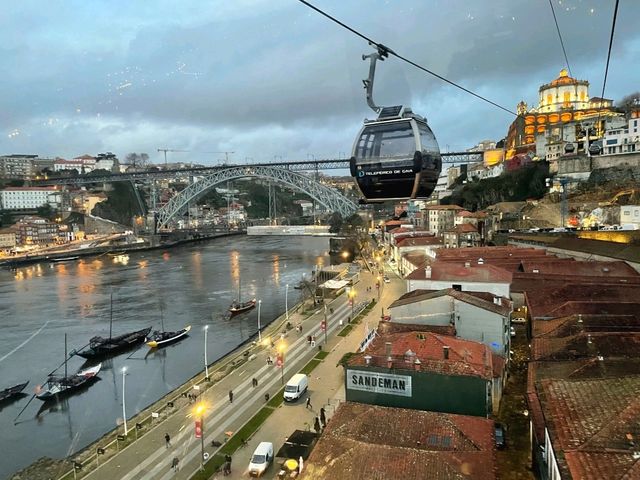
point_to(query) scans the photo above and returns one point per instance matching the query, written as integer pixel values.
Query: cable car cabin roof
(397, 113)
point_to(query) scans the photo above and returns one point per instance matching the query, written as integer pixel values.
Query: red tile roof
(456, 272)
(485, 300)
(574, 324)
(416, 258)
(465, 214)
(399, 230)
(593, 426)
(464, 228)
(466, 357)
(531, 282)
(368, 442)
(569, 267)
(443, 207)
(584, 344)
(581, 298)
(418, 241)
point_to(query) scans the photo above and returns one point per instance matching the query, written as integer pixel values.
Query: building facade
(625, 139)
(16, 167)
(28, 198)
(440, 217)
(7, 239)
(630, 216)
(36, 231)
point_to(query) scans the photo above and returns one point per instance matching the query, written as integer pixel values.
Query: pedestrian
(230, 396)
(227, 458)
(174, 463)
(167, 440)
(266, 397)
(309, 338)
(226, 468)
(254, 382)
(268, 360)
(323, 417)
(309, 402)
(316, 425)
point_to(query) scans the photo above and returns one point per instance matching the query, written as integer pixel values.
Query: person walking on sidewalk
(323, 418)
(167, 440)
(309, 402)
(254, 382)
(230, 396)
(316, 425)
(174, 463)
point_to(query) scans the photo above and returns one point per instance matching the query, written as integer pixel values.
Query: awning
(335, 284)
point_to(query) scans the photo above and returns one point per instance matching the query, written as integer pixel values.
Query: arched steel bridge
(330, 198)
(300, 166)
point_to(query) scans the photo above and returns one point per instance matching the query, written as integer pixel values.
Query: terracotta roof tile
(450, 271)
(418, 241)
(586, 345)
(466, 357)
(368, 442)
(573, 268)
(588, 423)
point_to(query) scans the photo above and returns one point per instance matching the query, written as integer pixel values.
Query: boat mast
(162, 316)
(111, 315)
(65, 355)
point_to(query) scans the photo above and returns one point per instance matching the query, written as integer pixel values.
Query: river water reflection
(193, 285)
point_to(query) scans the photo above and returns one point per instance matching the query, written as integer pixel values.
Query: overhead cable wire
(384, 48)
(613, 29)
(560, 36)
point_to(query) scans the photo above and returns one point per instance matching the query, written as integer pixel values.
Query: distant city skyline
(276, 80)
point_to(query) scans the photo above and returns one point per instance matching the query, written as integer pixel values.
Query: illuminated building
(560, 123)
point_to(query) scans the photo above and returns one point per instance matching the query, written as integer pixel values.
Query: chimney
(387, 349)
(389, 362)
(497, 300)
(467, 264)
(427, 272)
(367, 359)
(417, 365)
(481, 261)
(445, 351)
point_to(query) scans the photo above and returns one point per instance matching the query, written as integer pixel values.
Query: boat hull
(245, 307)
(155, 343)
(115, 346)
(63, 387)
(9, 393)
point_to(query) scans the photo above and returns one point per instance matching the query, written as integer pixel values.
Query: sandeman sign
(376, 382)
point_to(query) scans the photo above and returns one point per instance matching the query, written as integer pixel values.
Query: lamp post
(259, 333)
(124, 408)
(286, 301)
(199, 412)
(379, 286)
(325, 323)
(352, 296)
(206, 362)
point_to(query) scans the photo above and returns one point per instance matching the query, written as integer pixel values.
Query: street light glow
(199, 409)
(124, 370)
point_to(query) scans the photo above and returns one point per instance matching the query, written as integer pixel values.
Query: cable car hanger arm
(381, 53)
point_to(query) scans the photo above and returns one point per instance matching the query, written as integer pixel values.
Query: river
(191, 285)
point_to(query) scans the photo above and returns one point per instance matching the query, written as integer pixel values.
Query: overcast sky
(271, 78)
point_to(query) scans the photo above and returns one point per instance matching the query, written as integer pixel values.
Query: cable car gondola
(569, 148)
(396, 156)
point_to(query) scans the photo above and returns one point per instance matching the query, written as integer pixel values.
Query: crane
(165, 150)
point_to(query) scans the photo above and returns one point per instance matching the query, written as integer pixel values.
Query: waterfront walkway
(149, 458)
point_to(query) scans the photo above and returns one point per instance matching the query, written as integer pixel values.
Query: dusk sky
(267, 78)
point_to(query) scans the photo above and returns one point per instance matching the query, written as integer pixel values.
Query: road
(149, 459)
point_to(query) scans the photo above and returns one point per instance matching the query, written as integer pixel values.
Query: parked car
(386, 279)
(513, 331)
(500, 437)
(261, 459)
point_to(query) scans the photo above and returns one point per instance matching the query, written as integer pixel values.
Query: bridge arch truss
(328, 197)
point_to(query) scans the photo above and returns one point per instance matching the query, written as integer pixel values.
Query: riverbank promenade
(151, 458)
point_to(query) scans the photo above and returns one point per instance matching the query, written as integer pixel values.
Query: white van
(261, 459)
(295, 387)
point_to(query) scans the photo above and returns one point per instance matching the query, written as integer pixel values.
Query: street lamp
(199, 412)
(345, 255)
(259, 333)
(124, 408)
(352, 296)
(206, 362)
(286, 301)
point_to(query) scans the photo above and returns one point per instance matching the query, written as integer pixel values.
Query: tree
(335, 222)
(630, 101)
(45, 211)
(6, 218)
(140, 160)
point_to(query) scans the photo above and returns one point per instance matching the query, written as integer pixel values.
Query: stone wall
(621, 174)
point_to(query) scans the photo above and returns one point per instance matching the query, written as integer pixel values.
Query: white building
(625, 139)
(440, 217)
(630, 216)
(465, 277)
(479, 316)
(29, 198)
(83, 164)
